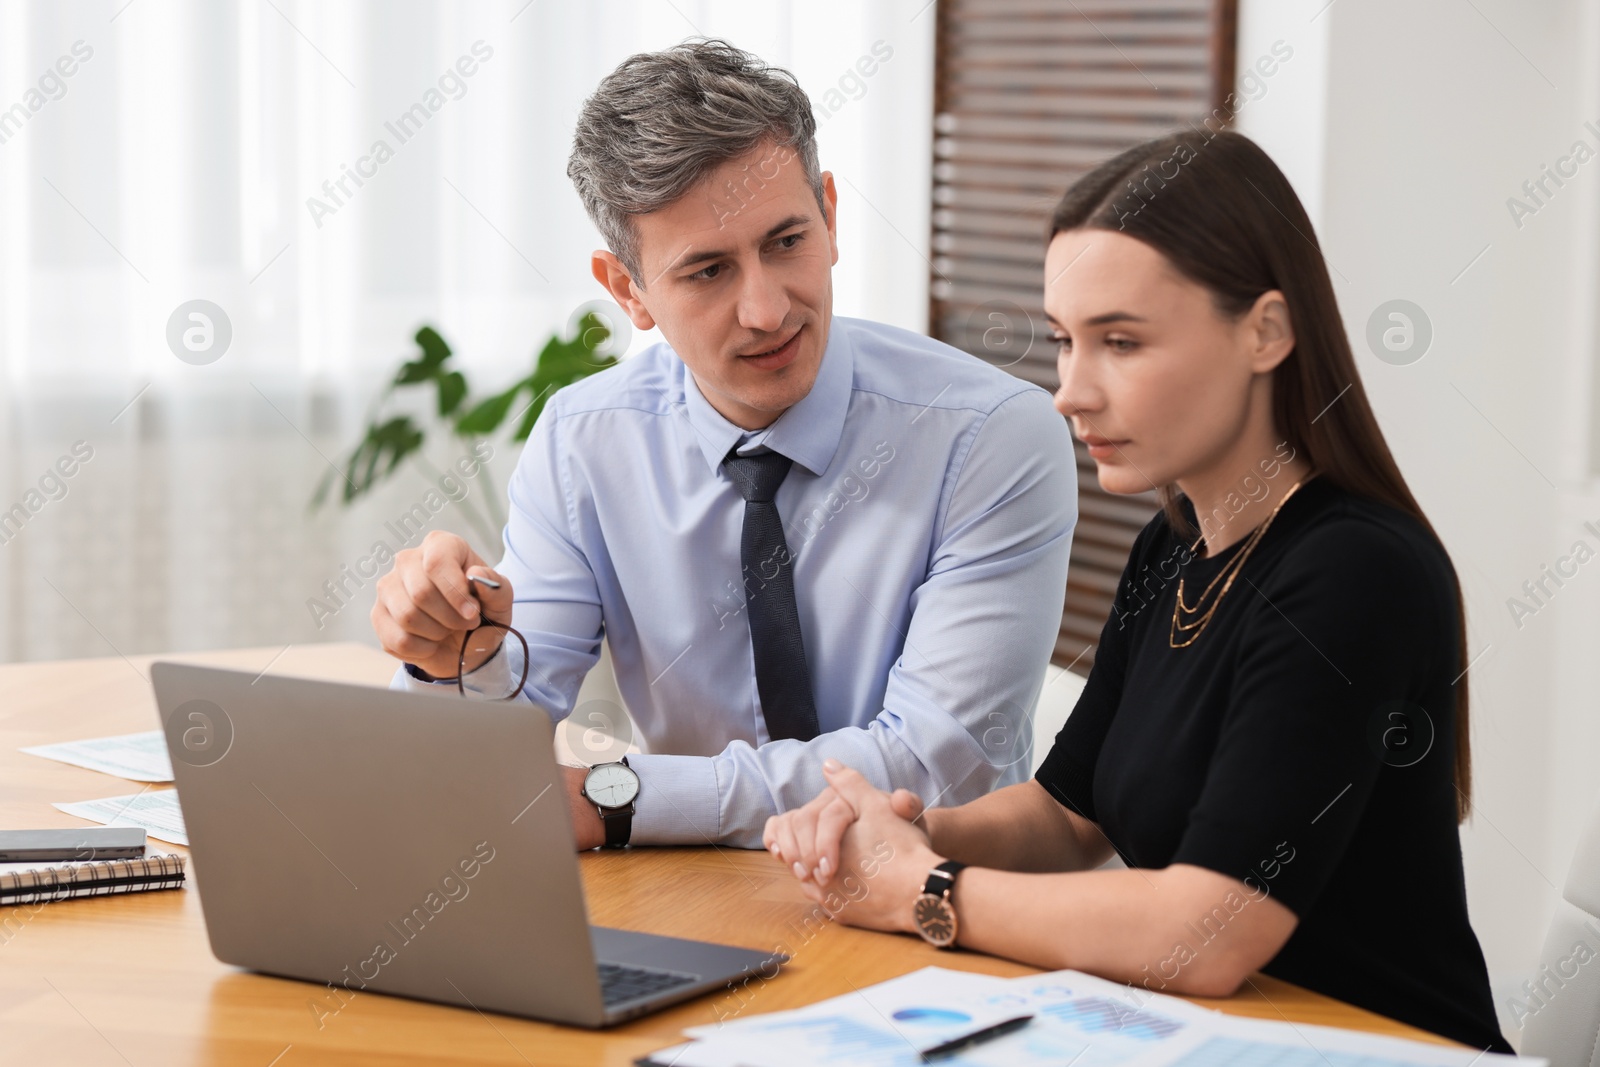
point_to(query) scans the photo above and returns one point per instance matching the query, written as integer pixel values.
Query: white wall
(1407, 127)
(179, 163)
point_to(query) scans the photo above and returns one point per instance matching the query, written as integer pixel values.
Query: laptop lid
(383, 841)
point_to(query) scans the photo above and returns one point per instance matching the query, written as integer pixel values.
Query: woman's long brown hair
(1224, 215)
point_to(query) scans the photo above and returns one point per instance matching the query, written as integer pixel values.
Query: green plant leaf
(485, 418)
(562, 362)
(434, 349)
(559, 363)
(565, 363)
(411, 373)
(592, 331)
(400, 437)
(379, 453)
(429, 364)
(452, 391)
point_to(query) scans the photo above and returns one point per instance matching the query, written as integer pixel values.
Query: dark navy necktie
(782, 679)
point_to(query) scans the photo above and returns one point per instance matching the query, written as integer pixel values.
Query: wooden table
(131, 980)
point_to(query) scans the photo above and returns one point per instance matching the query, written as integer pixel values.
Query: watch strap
(942, 879)
(619, 826)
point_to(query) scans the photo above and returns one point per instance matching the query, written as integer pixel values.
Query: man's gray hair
(662, 121)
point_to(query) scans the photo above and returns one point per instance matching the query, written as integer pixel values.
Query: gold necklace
(1231, 571)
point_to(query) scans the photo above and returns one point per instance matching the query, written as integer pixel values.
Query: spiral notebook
(22, 883)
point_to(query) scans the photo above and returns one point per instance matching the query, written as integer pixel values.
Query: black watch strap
(942, 879)
(619, 826)
(618, 823)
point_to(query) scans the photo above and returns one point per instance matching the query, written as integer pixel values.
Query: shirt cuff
(678, 800)
(492, 677)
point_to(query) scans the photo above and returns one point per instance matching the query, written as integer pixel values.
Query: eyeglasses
(483, 621)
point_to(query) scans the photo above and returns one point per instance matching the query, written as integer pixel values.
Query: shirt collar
(808, 433)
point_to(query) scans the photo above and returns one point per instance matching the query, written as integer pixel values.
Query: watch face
(935, 919)
(611, 785)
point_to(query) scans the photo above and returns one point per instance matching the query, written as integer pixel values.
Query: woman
(1274, 734)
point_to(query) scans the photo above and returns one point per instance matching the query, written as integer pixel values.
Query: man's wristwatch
(612, 788)
(934, 915)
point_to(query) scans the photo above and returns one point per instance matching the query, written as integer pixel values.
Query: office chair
(1563, 997)
(1056, 700)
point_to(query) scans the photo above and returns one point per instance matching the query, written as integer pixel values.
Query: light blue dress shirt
(929, 513)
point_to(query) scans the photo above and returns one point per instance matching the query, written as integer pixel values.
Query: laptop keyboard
(619, 983)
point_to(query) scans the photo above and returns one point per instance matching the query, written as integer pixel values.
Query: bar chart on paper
(1098, 1015)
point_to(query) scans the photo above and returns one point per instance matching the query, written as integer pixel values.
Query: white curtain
(159, 152)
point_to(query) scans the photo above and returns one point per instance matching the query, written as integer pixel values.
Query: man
(803, 537)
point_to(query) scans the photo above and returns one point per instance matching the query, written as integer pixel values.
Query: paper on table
(1092, 1021)
(156, 810)
(1078, 1015)
(141, 757)
(931, 996)
(1078, 1019)
(885, 1024)
(1232, 1040)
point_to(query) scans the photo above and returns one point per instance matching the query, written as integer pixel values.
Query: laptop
(373, 840)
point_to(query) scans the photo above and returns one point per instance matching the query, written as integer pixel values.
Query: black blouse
(1303, 745)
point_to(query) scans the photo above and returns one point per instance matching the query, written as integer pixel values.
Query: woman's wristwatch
(932, 912)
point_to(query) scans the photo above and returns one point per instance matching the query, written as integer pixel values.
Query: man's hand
(587, 829)
(808, 838)
(425, 606)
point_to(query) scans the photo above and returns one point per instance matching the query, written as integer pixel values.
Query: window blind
(1028, 96)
